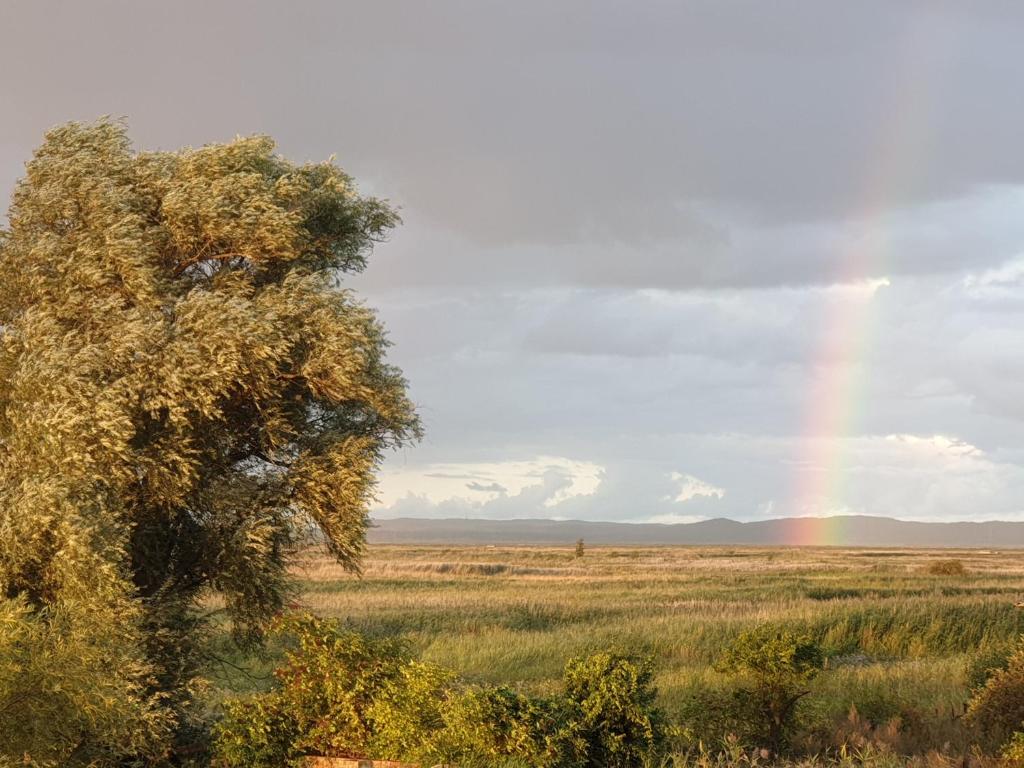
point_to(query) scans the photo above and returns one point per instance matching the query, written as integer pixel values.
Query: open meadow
(903, 641)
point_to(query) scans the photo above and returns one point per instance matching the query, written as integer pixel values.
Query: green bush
(605, 717)
(342, 694)
(258, 732)
(408, 711)
(708, 716)
(773, 668)
(487, 726)
(998, 707)
(338, 694)
(1013, 752)
(986, 663)
(611, 715)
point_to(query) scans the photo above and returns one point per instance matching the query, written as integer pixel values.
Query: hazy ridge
(851, 531)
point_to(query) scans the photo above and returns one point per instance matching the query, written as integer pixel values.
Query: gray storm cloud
(643, 241)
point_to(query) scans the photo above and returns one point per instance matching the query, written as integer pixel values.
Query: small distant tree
(579, 547)
(774, 668)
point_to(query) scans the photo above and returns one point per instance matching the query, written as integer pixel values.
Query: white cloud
(689, 487)
(910, 477)
(549, 480)
(936, 446)
(1004, 281)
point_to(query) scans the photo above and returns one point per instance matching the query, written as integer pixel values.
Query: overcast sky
(660, 260)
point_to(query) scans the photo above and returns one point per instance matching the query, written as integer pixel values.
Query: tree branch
(199, 259)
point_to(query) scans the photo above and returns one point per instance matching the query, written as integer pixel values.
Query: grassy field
(900, 640)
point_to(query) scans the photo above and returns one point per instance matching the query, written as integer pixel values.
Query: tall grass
(899, 637)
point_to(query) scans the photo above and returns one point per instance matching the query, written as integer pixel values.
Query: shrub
(774, 668)
(611, 715)
(604, 718)
(408, 711)
(1013, 752)
(258, 732)
(339, 694)
(998, 707)
(487, 726)
(986, 663)
(947, 568)
(705, 716)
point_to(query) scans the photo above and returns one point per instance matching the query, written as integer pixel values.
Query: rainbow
(837, 398)
(817, 531)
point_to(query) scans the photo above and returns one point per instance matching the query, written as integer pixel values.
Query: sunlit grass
(897, 635)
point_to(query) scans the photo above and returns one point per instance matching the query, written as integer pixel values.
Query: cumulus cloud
(901, 475)
(530, 488)
(688, 486)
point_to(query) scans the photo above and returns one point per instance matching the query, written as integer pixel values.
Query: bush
(611, 709)
(709, 717)
(773, 668)
(947, 568)
(488, 726)
(408, 711)
(604, 718)
(998, 707)
(258, 732)
(986, 663)
(341, 694)
(1013, 752)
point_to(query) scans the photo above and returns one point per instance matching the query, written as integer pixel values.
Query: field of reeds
(906, 633)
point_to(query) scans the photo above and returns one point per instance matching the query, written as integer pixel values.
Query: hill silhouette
(848, 531)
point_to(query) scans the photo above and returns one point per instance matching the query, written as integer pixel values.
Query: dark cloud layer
(647, 245)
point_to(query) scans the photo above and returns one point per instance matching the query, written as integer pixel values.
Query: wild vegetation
(344, 694)
(868, 656)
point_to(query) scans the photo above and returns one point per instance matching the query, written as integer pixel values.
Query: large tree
(186, 390)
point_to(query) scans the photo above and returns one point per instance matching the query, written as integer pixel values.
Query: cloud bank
(660, 261)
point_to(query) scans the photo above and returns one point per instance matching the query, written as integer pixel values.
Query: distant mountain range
(847, 531)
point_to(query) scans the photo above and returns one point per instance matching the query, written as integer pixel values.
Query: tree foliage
(185, 388)
(61, 702)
